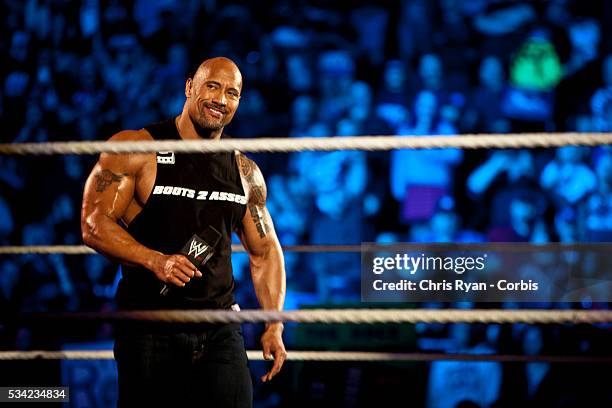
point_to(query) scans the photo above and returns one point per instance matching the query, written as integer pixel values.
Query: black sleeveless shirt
(191, 192)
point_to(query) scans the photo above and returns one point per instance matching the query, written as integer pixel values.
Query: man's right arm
(108, 192)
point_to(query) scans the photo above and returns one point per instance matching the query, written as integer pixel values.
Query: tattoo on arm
(257, 194)
(105, 178)
(259, 220)
(246, 166)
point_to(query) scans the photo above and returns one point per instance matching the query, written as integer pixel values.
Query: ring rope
(84, 250)
(364, 316)
(370, 143)
(256, 355)
(46, 249)
(492, 246)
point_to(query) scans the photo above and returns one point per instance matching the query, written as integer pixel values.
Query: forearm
(480, 180)
(268, 274)
(107, 237)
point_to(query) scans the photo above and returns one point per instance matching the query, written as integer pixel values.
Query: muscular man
(141, 209)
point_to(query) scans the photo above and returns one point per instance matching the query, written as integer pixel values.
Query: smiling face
(213, 94)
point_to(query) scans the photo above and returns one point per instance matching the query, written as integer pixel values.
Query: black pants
(204, 368)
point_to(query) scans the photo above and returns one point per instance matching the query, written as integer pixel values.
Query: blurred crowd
(85, 70)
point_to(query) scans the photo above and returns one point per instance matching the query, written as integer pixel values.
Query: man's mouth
(214, 112)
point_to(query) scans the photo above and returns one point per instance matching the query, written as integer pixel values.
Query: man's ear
(188, 84)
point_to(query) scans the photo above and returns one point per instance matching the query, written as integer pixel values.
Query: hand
(272, 344)
(175, 269)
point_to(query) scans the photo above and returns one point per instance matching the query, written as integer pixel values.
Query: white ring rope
(46, 249)
(468, 141)
(84, 250)
(367, 246)
(256, 355)
(364, 316)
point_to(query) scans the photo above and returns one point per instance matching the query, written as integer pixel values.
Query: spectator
(582, 70)
(392, 98)
(89, 100)
(529, 100)
(454, 382)
(501, 25)
(601, 102)
(287, 208)
(89, 18)
(444, 226)
(521, 219)
(303, 110)
(337, 181)
(534, 382)
(420, 177)
(9, 276)
(370, 22)
(44, 282)
(6, 221)
(360, 112)
(17, 75)
(493, 183)
(431, 73)
(299, 72)
(253, 119)
(584, 36)
(485, 102)
(12, 173)
(567, 177)
(32, 130)
(415, 28)
(336, 71)
(598, 206)
(517, 167)
(290, 208)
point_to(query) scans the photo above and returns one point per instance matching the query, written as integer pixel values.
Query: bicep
(109, 188)
(257, 230)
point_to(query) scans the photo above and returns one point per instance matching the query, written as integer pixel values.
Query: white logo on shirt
(203, 195)
(165, 157)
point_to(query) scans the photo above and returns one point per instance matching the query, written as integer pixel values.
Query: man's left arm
(265, 258)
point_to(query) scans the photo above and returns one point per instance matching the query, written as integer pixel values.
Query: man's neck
(188, 131)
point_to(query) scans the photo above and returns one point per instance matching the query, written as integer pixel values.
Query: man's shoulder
(133, 162)
(131, 135)
(246, 165)
(252, 177)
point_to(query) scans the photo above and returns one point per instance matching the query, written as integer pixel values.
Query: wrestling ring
(329, 316)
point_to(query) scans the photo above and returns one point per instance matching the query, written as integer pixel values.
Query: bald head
(218, 64)
(213, 94)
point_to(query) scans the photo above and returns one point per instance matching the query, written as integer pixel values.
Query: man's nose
(219, 98)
